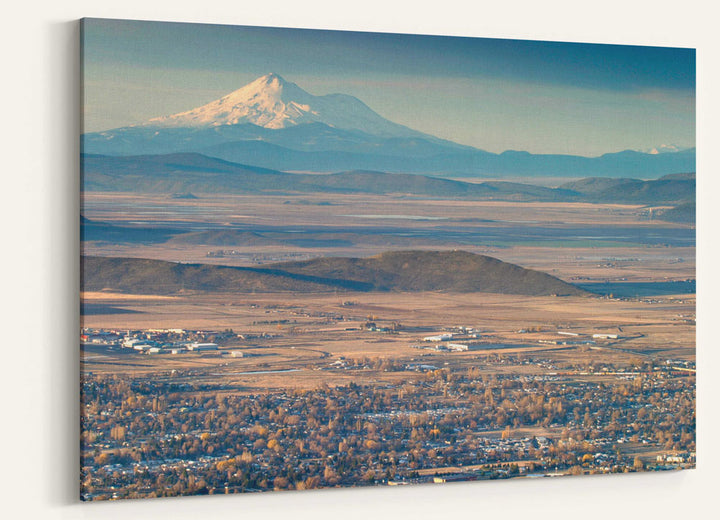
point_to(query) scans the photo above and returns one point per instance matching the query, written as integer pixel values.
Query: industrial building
(202, 346)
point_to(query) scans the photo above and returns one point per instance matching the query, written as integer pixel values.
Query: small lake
(94, 309)
(640, 289)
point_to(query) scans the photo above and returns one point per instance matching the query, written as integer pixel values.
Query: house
(241, 354)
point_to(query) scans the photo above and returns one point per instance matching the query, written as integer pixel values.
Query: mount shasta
(273, 123)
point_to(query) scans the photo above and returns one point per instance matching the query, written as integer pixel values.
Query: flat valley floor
(344, 388)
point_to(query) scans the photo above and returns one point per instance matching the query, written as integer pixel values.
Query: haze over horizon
(496, 95)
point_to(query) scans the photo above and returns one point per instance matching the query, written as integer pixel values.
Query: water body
(640, 289)
(94, 309)
(550, 236)
(437, 228)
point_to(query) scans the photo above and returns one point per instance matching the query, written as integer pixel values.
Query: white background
(39, 359)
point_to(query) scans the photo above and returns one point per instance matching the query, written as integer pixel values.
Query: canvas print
(319, 259)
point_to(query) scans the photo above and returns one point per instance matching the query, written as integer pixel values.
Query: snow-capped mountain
(664, 148)
(273, 123)
(274, 103)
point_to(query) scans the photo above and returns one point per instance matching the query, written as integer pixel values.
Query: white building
(439, 337)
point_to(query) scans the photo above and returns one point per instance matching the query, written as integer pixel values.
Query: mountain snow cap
(272, 102)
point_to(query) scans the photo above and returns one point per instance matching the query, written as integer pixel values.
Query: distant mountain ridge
(273, 123)
(196, 173)
(670, 188)
(412, 271)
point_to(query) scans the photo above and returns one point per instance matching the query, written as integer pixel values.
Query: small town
(198, 431)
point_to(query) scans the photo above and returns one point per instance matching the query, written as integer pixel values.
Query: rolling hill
(675, 188)
(196, 173)
(176, 173)
(450, 271)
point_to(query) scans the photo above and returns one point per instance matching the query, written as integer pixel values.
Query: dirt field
(306, 333)
(295, 339)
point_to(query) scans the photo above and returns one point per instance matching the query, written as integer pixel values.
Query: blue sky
(543, 97)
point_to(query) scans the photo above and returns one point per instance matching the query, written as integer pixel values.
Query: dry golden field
(308, 332)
